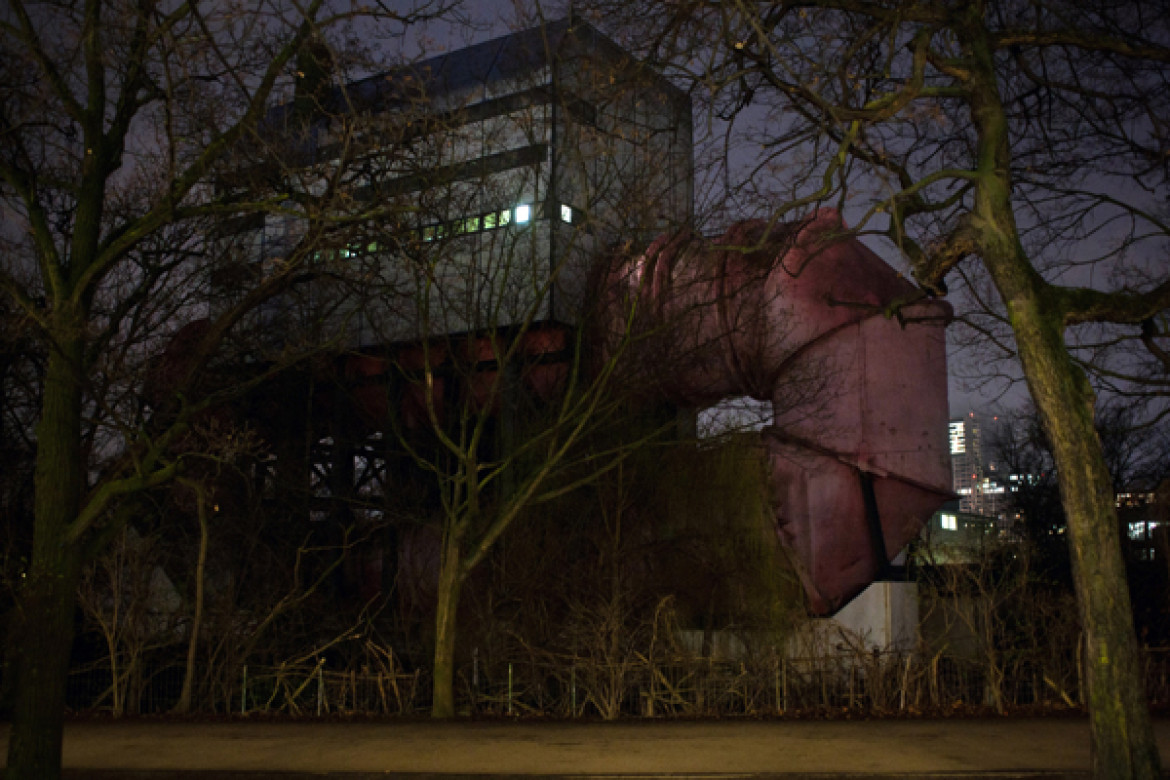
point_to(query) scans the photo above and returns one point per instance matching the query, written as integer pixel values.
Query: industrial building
(492, 177)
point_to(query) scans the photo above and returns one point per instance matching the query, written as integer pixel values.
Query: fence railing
(869, 683)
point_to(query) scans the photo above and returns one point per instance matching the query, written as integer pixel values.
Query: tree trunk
(183, 706)
(450, 584)
(1122, 735)
(45, 610)
(46, 637)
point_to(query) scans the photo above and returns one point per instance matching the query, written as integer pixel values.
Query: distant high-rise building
(966, 460)
(980, 491)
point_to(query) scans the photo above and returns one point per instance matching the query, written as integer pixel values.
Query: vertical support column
(390, 453)
(291, 439)
(508, 424)
(341, 471)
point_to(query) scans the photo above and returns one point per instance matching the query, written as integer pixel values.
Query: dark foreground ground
(243, 750)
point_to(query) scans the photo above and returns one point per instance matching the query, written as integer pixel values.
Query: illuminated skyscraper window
(967, 463)
(958, 440)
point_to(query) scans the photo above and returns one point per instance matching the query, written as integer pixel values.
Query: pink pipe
(795, 315)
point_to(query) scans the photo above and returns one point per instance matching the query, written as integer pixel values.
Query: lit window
(949, 522)
(505, 217)
(566, 213)
(489, 220)
(523, 214)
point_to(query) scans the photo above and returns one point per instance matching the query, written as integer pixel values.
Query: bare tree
(497, 430)
(646, 567)
(133, 610)
(1133, 448)
(475, 356)
(985, 602)
(1016, 146)
(115, 116)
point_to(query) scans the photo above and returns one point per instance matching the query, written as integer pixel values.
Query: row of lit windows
(986, 489)
(1142, 529)
(950, 522)
(518, 215)
(1134, 499)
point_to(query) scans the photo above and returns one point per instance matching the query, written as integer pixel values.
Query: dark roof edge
(537, 44)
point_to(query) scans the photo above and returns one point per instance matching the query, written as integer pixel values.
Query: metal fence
(861, 683)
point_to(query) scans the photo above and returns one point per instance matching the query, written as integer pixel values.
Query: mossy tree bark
(1123, 743)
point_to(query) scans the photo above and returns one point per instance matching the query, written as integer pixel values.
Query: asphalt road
(951, 748)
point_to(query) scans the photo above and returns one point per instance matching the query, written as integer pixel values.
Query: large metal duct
(850, 355)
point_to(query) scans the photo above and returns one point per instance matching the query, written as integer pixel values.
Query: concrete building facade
(494, 176)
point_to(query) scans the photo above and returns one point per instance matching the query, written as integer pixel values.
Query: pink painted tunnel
(801, 316)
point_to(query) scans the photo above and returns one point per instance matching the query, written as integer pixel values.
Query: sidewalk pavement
(959, 747)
